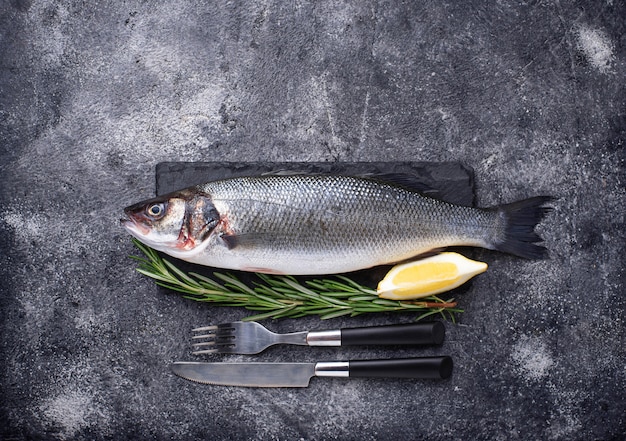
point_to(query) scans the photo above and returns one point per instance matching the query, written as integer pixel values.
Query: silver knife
(261, 374)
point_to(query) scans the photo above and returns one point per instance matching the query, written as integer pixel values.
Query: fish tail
(515, 231)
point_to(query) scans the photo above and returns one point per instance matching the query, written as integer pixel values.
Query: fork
(252, 337)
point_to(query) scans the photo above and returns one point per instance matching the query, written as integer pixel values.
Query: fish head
(178, 224)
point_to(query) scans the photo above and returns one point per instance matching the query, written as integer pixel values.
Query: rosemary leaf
(233, 282)
(335, 314)
(207, 282)
(367, 298)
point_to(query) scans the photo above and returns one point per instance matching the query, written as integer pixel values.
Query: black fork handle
(427, 333)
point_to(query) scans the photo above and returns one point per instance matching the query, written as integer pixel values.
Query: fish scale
(329, 224)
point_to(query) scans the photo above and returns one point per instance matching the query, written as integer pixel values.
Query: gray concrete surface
(530, 95)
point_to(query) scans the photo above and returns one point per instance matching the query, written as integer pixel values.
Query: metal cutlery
(298, 374)
(252, 337)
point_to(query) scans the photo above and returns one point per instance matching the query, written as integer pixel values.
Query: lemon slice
(425, 277)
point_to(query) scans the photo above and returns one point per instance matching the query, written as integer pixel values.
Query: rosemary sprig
(283, 296)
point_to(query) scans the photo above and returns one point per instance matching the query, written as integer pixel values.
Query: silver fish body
(322, 224)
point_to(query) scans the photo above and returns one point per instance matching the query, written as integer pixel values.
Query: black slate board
(453, 181)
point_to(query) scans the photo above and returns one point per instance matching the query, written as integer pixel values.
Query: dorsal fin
(410, 182)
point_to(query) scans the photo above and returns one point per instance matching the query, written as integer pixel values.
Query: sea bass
(303, 224)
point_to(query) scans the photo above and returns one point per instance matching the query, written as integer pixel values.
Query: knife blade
(263, 374)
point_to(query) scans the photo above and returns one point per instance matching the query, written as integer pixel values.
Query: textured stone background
(531, 95)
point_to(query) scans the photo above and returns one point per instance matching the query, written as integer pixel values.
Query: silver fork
(252, 337)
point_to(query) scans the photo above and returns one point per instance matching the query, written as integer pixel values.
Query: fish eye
(156, 210)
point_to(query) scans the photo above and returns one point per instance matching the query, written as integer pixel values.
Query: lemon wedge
(428, 276)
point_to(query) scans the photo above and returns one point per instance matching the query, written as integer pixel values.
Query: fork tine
(205, 351)
(205, 328)
(204, 343)
(195, 337)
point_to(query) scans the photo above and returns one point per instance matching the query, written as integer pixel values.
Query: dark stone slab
(452, 181)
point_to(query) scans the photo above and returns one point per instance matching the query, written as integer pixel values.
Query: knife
(260, 374)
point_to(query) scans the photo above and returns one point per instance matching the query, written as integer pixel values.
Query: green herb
(283, 296)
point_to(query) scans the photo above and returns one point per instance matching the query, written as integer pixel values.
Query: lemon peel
(428, 276)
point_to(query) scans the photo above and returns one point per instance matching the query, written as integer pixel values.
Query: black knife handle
(429, 333)
(422, 367)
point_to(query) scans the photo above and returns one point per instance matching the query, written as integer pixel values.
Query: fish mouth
(134, 227)
(141, 232)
